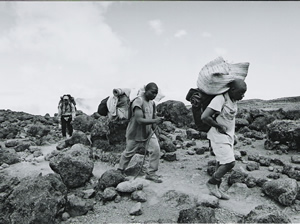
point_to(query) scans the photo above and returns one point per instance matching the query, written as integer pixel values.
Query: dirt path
(186, 176)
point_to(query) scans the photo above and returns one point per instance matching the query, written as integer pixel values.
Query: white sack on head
(214, 77)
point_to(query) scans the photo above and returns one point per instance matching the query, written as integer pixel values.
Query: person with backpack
(66, 114)
(140, 132)
(220, 116)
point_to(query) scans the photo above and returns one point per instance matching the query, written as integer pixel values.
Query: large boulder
(100, 129)
(285, 132)
(237, 176)
(266, 214)
(240, 122)
(78, 137)
(117, 131)
(260, 123)
(83, 123)
(176, 112)
(77, 206)
(168, 126)
(75, 165)
(110, 178)
(9, 156)
(291, 171)
(8, 130)
(283, 190)
(36, 199)
(203, 214)
(38, 130)
(19, 145)
(167, 145)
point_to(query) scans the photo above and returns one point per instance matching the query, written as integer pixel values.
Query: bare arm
(207, 118)
(138, 113)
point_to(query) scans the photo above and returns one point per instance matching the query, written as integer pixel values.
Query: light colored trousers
(131, 148)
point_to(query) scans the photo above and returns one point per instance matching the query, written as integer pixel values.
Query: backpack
(130, 110)
(199, 101)
(102, 108)
(71, 99)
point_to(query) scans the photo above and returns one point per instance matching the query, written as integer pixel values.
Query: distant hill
(286, 103)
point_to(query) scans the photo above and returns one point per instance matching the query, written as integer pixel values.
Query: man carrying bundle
(220, 115)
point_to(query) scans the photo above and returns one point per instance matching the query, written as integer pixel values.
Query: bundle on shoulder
(213, 79)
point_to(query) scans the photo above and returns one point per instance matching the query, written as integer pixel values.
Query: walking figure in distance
(66, 114)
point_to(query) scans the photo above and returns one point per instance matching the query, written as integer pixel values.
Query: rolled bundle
(120, 91)
(214, 77)
(117, 92)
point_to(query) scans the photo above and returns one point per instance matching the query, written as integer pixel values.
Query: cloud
(220, 51)
(180, 33)
(50, 49)
(156, 25)
(206, 34)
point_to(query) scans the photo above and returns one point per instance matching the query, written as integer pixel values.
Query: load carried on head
(213, 79)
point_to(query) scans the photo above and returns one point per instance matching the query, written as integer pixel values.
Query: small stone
(4, 165)
(65, 216)
(191, 152)
(136, 209)
(118, 199)
(271, 169)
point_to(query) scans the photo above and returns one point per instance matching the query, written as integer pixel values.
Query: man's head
(237, 90)
(151, 91)
(65, 99)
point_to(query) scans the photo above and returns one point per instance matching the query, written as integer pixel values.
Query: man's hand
(159, 120)
(222, 129)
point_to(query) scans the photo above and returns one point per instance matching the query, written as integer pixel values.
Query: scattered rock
(139, 196)
(77, 206)
(129, 186)
(266, 214)
(283, 190)
(110, 178)
(295, 159)
(136, 209)
(74, 165)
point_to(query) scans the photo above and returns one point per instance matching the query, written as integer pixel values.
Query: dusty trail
(186, 176)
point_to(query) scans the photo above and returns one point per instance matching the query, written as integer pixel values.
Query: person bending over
(221, 133)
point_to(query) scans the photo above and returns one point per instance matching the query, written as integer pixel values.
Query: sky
(88, 48)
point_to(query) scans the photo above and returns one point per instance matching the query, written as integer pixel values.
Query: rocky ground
(183, 184)
(267, 150)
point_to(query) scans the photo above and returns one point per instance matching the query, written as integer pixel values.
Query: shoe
(153, 178)
(224, 195)
(213, 190)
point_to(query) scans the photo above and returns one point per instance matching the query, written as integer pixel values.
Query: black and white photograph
(149, 112)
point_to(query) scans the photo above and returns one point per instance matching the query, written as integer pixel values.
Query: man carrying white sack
(223, 84)
(221, 133)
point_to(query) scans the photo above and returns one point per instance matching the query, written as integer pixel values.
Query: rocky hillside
(286, 103)
(47, 179)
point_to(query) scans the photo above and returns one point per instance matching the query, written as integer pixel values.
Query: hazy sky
(88, 48)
